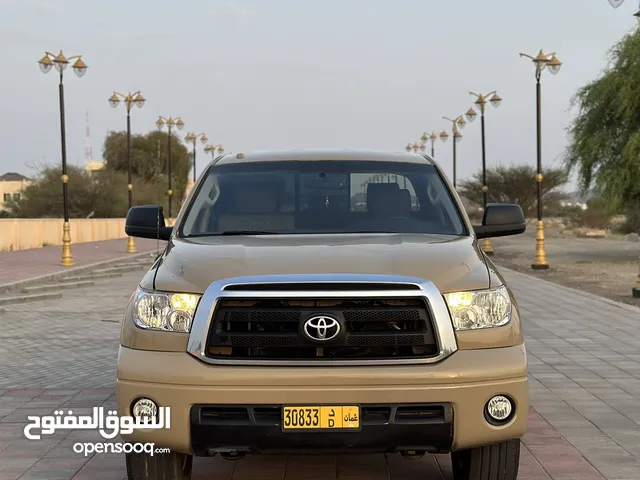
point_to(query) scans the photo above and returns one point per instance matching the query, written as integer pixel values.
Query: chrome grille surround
(416, 288)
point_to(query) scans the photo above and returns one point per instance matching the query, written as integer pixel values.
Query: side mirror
(501, 220)
(147, 221)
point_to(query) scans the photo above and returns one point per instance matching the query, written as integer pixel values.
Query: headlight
(480, 308)
(171, 312)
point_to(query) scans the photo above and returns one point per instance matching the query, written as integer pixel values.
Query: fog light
(145, 409)
(499, 408)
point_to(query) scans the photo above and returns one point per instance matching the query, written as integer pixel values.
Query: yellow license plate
(321, 417)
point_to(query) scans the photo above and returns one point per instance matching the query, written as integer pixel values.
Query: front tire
(492, 462)
(162, 466)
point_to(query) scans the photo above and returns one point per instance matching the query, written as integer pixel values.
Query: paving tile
(213, 468)
(362, 467)
(267, 468)
(311, 467)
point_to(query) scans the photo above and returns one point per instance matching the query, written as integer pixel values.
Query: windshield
(322, 197)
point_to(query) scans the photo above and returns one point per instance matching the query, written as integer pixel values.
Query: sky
(280, 74)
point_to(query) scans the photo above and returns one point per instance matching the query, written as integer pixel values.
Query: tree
(101, 194)
(604, 138)
(149, 160)
(43, 198)
(515, 184)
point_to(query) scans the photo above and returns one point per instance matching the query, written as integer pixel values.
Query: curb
(121, 269)
(56, 286)
(90, 277)
(29, 298)
(8, 287)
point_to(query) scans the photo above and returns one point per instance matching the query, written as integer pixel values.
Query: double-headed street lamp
(170, 123)
(80, 68)
(456, 124)
(431, 137)
(212, 149)
(130, 100)
(415, 147)
(481, 103)
(193, 138)
(541, 62)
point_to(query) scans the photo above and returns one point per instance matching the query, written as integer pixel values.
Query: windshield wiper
(247, 232)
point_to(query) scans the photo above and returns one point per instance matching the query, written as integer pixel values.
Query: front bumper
(465, 381)
(383, 428)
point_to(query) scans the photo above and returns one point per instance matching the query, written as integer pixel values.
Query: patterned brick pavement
(585, 392)
(36, 262)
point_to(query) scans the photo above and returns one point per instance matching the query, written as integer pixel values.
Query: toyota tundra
(324, 302)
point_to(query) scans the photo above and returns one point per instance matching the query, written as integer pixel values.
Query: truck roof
(323, 155)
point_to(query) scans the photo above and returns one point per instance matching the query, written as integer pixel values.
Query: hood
(190, 265)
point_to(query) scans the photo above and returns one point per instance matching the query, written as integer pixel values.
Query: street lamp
(409, 147)
(456, 124)
(80, 68)
(170, 123)
(193, 138)
(541, 61)
(212, 150)
(481, 103)
(130, 100)
(431, 137)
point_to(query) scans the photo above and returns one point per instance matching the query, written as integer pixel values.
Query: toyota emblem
(321, 328)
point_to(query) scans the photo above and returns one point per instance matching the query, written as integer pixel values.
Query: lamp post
(409, 147)
(212, 150)
(635, 291)
(541, 61)
(130, 100)
(193, 138)
(170, 123)
(456, 124)
(481, 103)
(80, 68)
(431, 137)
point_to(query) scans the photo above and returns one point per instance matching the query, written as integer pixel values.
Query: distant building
(577, 199)
(94, 165)
(11, 186)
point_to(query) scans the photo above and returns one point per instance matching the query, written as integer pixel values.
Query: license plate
(321, 417)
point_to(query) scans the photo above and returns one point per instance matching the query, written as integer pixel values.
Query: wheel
(162, 466)
(492, 462)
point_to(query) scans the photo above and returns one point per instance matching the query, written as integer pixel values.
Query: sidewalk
(36, 262)
(584, 373)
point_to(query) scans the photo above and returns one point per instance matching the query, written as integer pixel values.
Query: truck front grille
(272, 329)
